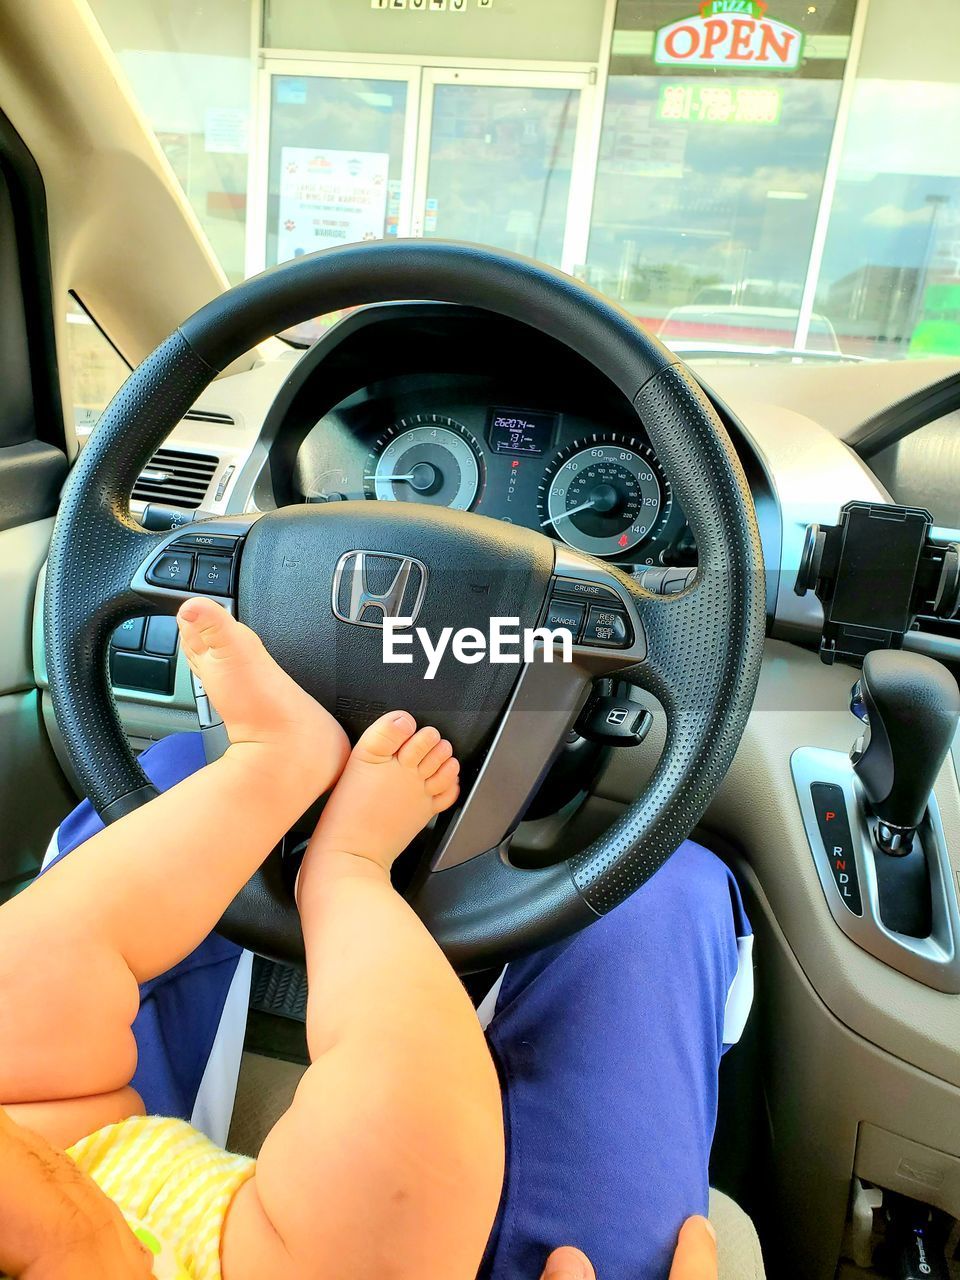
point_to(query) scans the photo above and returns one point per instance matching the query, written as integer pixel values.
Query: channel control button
(607, 627)
(173, 569)
(213, 575)
(830, 807)
(561, 613)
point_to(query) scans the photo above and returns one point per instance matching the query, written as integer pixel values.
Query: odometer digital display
(519, 432)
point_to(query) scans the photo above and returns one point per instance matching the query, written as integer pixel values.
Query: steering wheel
(295, 576)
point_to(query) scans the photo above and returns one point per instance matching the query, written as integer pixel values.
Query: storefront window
(336, 156)
(709, 179)
(890, 281)
(743, 176)
(500, 166)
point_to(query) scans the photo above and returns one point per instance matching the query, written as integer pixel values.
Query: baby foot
(258, 701)
(395, 781)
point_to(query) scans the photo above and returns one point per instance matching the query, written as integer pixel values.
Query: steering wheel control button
(139, 671)
(207, 713)
(607, 627)
(220, 543)
(172, 569)
(213, 575)
(162, 636)
(578, 590)
(830, 808)
(129, 634)
(565, 614)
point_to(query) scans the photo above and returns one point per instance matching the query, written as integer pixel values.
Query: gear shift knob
(912, 706)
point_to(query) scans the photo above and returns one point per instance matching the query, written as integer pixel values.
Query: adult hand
(695, 1259)
(55, 1223)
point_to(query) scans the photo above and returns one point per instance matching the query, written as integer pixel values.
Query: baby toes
(386, 737)
(419, 747)
(204, 624)
(434, 758)
(444, 778)
(445, 799)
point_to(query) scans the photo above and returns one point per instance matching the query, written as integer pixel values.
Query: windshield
(750, 180)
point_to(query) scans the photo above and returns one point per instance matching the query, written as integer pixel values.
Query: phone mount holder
(874, 572)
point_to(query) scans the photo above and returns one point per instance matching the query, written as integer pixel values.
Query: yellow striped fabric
(165, 1174)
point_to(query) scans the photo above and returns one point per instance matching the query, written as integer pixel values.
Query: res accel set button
(606, 627)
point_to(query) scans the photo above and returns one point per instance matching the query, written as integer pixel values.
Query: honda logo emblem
(354, 601)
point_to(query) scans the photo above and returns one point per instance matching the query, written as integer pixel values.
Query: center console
(874, 824)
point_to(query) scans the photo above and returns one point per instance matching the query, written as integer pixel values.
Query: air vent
(207, 415)
(176, 479)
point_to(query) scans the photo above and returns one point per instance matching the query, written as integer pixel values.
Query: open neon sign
(734, 34)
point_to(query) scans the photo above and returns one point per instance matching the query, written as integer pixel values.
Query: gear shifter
(912, 705)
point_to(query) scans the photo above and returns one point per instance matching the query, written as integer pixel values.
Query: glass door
(502, 159)
(335, 158)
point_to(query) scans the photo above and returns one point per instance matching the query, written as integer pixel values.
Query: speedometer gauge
(425, 458)
(605, 495)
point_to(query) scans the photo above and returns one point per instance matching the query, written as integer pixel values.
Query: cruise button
(581, 590)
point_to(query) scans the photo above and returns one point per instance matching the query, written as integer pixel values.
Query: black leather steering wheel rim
(703, 647)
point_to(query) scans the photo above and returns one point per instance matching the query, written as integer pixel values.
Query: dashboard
(472, 448)
(519, 434)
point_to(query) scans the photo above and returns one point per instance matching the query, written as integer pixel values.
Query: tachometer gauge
(605, 495)
(426, 458)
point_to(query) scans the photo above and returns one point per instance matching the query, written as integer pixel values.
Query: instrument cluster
(598, 488)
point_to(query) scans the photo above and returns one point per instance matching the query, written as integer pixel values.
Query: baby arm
(389, 1163)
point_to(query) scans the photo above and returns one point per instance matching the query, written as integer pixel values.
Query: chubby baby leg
(139, 896)
(390, 1160)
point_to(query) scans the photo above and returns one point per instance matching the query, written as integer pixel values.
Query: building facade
(732, 172)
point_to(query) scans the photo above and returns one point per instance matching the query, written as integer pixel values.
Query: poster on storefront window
(329, 198)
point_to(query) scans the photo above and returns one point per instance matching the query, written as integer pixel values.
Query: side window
(97, 371)
(32, 457)
(923, 469)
